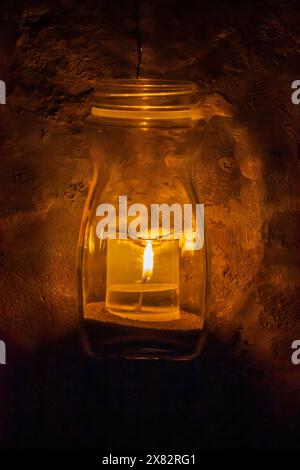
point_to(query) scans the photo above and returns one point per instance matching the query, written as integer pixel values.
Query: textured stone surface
(244, 58)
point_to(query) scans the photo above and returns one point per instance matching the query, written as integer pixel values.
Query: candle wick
(140, 302)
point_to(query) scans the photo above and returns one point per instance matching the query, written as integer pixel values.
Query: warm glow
(148, 260)
(188, 246)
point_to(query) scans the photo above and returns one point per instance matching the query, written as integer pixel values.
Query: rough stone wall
(244, 58)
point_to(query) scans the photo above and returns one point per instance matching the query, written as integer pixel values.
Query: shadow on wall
(65, 400)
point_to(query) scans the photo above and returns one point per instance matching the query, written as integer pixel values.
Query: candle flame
(148, 260)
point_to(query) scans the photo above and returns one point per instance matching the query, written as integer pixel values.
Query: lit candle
(143, 279)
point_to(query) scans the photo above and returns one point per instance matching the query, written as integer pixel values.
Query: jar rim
(146, 99)
(144, 86)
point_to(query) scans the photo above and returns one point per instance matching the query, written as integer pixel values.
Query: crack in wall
(138, 36)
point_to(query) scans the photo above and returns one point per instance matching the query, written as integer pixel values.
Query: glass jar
(142, 251)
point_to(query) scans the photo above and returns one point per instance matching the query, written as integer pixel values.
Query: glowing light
(148, 260)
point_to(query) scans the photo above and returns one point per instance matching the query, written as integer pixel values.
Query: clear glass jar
(142, 265)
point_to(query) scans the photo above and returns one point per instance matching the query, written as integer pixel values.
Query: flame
(148, 260)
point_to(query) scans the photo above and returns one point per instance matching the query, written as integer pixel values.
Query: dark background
(243, 392)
